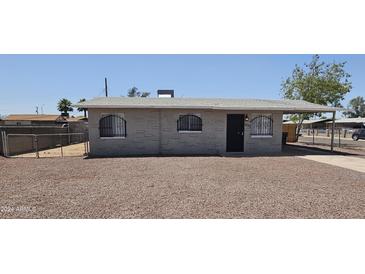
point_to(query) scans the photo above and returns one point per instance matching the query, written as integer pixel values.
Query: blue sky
(27, 81)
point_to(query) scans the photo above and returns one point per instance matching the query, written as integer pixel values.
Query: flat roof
(349, 120)
(33, 117)
(287, 106)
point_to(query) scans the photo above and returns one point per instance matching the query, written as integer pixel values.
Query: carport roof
(287, 106)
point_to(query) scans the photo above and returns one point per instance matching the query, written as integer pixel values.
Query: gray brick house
(121, 126)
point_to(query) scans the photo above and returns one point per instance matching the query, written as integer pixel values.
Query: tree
(82, 109)
(64, 105)
(316, 82)
(133, 92)
(357, 104)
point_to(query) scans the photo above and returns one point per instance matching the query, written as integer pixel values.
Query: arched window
(261, 125)
(112, 126)
(189, 123)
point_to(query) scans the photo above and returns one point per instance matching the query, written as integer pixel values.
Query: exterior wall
(17, 123)
(154, 131)
(264, 145)
(143, 134)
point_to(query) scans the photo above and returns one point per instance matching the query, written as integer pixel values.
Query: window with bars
(112, 126)
(189, 123)
(262, 125)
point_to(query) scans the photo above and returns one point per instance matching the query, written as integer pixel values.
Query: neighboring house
(349, 123)
(34, 120)
(76, 124)
(290, 127)
(49, 127)
(178, 126)
(316, 124)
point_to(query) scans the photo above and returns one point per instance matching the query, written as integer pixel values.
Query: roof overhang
(285, 106)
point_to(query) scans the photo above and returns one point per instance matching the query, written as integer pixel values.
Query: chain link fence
(44, 145)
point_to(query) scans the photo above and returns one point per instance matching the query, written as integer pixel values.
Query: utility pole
(106, 88)
(36, 110)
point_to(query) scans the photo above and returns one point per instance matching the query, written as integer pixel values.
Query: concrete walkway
(349, 162)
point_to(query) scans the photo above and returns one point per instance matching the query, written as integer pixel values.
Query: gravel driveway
(179, 187)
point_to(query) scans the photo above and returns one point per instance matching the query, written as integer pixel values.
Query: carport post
(333, 129)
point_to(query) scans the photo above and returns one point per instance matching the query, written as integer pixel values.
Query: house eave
(285, 110)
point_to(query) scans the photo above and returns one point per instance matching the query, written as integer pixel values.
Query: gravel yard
(179, 187)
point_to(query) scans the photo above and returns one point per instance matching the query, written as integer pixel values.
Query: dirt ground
(346, 145)
(179, 187)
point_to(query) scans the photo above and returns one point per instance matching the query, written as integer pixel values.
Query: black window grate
(262, 125)
(112, 126)
(189, 123)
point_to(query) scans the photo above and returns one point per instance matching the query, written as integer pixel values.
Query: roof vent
(165, 93)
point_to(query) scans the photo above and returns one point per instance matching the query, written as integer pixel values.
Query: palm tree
(64, 105)
(82, 109)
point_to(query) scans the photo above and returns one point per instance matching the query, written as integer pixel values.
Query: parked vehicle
(358, 134)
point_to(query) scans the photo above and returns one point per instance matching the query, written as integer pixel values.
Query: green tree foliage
(133, 92)
(317, 82)
(145, 94)
(357, 104)
(82, 109)
(64, 105)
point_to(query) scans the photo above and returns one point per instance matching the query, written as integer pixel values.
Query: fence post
(61, 146)
(4, 142)
(36, 146)
(339, 137)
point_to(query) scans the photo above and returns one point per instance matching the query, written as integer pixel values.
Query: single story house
(315, 123)
(349, 123)
(76, 124)
(186, 126)
(33, 120)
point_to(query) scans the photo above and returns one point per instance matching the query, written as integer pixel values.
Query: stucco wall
(153, 131)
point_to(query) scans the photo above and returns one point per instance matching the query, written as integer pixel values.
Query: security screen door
(235, 132)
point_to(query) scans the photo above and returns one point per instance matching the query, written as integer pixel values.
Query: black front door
(235, 132)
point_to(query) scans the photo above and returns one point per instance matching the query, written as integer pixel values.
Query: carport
(324, 109)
